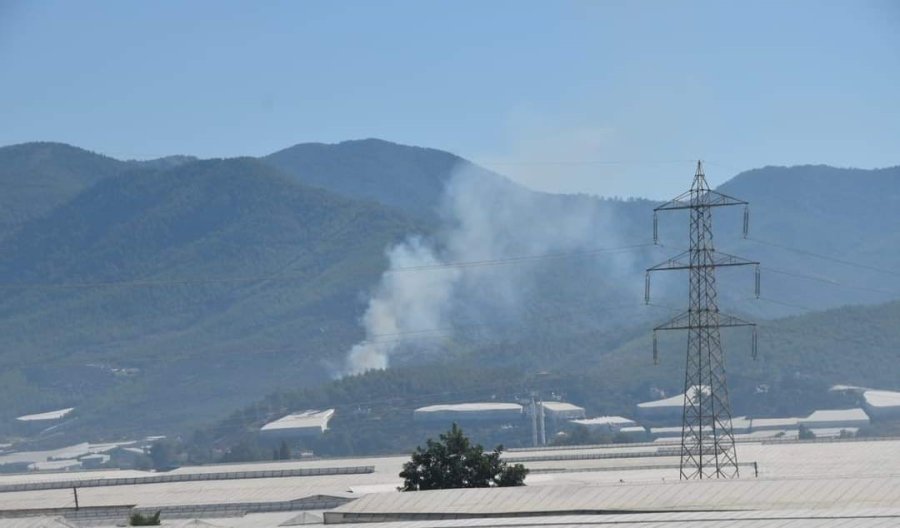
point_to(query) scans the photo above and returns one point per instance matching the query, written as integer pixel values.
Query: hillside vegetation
(157, 296)
(216, 280)
(800, 358)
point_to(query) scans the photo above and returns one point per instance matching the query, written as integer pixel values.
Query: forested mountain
(217, 280)
(39, 176)
(405, 177)
(158, 295)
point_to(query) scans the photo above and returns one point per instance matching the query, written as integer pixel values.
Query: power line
(830, 281)
(825, 257)
(280, 275)
(582, 162)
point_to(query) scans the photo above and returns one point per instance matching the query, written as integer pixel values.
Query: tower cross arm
(684, 321)
(682, 261)
(704, 198)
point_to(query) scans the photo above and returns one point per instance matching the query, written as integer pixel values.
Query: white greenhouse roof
(740, 422)
(562, 406)
(882, 398)
(774, 423)
(471, 407)
(632, 429)
(674, 401)
(836, 415)
(710, 495)
(301, 420)
(833, 477)
(606, 420)
(50, 415)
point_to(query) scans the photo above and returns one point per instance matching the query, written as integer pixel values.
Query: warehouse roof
(836, 415)
(775, 423)
(606, 420)
(466, 407)
(561, 406)
(838, 465)
(745, 494)
(674, 401)
(882, 398)
(46, 416)
(301, 420)
(863, 518)
(633, 429)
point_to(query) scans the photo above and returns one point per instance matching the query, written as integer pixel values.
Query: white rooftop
(301, 420)
(882, 398)
(775, 423)
(708, 495)
(605, 420)
(561, 406)
(468, 407)
(837, 415)
(832, 477)
(50, 415)
(633, 429)
(674, 401)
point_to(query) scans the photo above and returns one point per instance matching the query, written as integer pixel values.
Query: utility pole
(542, 423)
(707, 440)
(534, 423)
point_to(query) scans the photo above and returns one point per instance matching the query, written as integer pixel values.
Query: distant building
(667, 409)
(882, 404)
(605, 424)
(297, 425)
(94, 461)
(774, 424)
(633, 433)
(49, 416)
(33, 423)
(462, 412)
(836, 418)
(561, 411)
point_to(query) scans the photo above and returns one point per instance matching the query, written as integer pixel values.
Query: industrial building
(463, 412)
(605, 424)
(786, 483)
(297, 425)
(775, 424)
(561, 411)
(836, 419)
(667, 409)
(881, 404)
(46, 417)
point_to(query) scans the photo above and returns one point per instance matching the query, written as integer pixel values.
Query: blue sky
(611, 98)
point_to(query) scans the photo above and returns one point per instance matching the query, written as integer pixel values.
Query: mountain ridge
(248, 278)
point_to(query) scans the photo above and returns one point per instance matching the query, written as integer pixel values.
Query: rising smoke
(484, 217)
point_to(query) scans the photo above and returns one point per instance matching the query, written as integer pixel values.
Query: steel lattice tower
(707, 440)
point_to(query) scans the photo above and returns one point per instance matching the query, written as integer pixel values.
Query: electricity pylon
(707, 440)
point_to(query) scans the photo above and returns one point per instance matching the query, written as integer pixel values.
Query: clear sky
(609, 98)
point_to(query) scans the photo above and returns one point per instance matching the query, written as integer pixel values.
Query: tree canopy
(454, 462)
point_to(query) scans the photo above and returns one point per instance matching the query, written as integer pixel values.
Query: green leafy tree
(138, 519)
(454, 462)
(804, 433)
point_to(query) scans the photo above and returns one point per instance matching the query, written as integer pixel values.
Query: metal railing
(185, 477)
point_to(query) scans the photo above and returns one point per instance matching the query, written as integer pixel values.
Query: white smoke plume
(485, 217)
